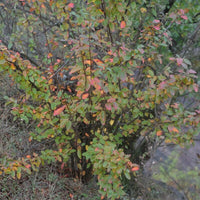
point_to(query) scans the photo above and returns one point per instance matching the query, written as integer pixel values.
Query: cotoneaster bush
(106, 81)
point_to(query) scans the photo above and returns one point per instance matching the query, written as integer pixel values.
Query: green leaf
(2, 61)
(127, 175)
(79, 153)
(68, 124)
(10, 44)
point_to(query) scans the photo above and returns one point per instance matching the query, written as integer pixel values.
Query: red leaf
(28, 166)
(71, 5)
(141, 51)
(111, 100)
(172, 58)
(198, 111)
(115, 105)
(98, 87)
(108, 106)
(96, 83)
(59, 110)
(62, 165)
(156, 21)
(184, 17)
(191, 71)
(96, 149)
(179, 61)
(165, 34)
(195, 86)
(123, 24)
(97, 80)
(92, 82)
(157, 27)
(173, 15)
(162, 85)
(181, 12)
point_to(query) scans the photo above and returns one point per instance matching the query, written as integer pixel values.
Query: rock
(177, 167)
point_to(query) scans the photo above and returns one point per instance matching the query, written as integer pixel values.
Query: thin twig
(64, 64)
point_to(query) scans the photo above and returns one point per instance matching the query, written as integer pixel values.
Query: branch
(190, 40)
(168, 6)
(64, 64)
(13, 48)
(21, 71)
(194, 18)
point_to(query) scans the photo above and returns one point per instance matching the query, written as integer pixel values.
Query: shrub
(117, 84)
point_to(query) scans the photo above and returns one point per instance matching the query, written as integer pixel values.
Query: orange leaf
(79, 93)
(31, 9)
(13, 66)
(173, 129)
(100, 20)
(88, 62)
(59, 110)
(97, 61)
(30, 139)
(51, 2)
(85, 96)
(50, 81)
(87, 135)
(136, 168)
(43, 6)
(168, 141)
(175, 105)
(159, 133)
(49, 55)
(123, 24)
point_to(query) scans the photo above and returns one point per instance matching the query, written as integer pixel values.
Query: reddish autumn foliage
(99, 78)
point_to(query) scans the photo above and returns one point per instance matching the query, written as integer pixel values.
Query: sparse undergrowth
(45, 184)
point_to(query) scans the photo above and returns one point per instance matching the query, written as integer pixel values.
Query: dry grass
(44, 185)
